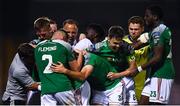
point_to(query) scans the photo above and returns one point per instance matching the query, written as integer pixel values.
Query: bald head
(60, 35)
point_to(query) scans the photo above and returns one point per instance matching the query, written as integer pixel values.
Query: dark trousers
(15, 102)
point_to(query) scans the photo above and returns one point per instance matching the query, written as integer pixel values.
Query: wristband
(139, 68)
(39, 87)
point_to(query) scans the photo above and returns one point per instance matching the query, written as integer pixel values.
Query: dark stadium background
(17, 16)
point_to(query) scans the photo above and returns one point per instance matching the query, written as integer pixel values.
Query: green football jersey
(98, 78)
(161, 35)
(75, 82)
(46, 53)
(119, 59)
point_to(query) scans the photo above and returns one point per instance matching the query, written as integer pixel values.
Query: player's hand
(82, 36)
(33, 86)
(143, 38)
(59, 68)
(112, 75)
(33, 45)
(78, 51)
(83, 52)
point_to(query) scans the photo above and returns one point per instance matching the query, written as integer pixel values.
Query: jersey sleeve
(127, 48)
(166, 35)
(89, 59)
(129, 51)
(70, 55)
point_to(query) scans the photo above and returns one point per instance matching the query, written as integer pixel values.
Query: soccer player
(56, 89)
(82, 88)
(105, 91)
(162, 69)
(157, 91)
(19, 78)
(120, 55)
(43, 30)
(95, 33)
(136, 28)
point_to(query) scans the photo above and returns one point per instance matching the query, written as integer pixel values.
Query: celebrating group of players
(117, 69)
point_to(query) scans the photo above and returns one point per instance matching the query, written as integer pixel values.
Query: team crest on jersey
(156, 36)
(132, 57)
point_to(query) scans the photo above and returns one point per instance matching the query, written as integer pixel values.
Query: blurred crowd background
(17, 17)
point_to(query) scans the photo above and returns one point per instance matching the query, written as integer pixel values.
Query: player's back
(98, 78)
(46, 53)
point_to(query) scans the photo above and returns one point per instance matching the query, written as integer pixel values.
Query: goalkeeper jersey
(141, 56)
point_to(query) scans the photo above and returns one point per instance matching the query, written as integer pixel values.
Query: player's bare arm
(158, 50)
(82, 75)
(131, 71)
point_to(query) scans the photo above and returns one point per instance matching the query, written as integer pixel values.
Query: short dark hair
(98, 29)
(116, 32)
(136, 20)
(70, 21)
(41, 22)
(52, 21)
(156, 10)
(25, 50)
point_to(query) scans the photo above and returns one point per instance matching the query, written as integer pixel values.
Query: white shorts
(114, 95)
(82, 95)
(130, 92)
(146, 89)
(60, 98)
(160, 90)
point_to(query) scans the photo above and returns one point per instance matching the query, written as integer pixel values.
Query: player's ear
(142, 28)
(108, 38)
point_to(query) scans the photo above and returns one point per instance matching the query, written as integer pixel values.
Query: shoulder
(18, 69)
(126, 39)
(127, 48)
(101, 44)
(89, 58)
(35, 41)
(158, 30)
(40, 43)
(63, 43)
